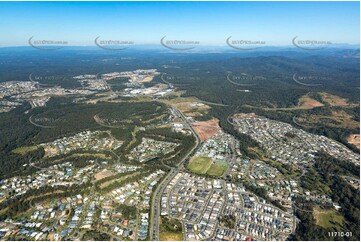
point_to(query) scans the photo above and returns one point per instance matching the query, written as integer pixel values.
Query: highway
(157, 195)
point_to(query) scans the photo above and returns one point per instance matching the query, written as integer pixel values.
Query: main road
(157, 195)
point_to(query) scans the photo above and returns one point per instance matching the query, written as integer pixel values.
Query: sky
(209, 23)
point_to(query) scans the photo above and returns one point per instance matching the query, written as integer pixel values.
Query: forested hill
(269, 78)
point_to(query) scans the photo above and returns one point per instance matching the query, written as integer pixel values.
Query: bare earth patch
(334, 100)
(341, 113)
(354, 139)
(103, 174)
(244, 115)
(148, 78)
(206, 129)
(308, 103)
(190, 106)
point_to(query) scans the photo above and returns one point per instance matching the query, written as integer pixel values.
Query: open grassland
(99, 155)
(134, 137)
(120, 178)
(328, 218)
(170, 236)
(170, 230)
(25, 149)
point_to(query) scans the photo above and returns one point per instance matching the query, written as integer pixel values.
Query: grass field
(205, 165)
(134, 137)
(104, 185)
(25, 149)
(217, 169)
(170, 230)
(199, 165)
(100, 155)
(328, 218)
(170, 236)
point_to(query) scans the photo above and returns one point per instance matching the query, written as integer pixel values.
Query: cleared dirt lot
(103, 174)
(354, 139)
(206, 129)
(308, 102)
(190, 106)
(334, 100)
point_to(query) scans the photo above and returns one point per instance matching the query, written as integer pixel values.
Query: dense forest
(329, 172)
(66, 120)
